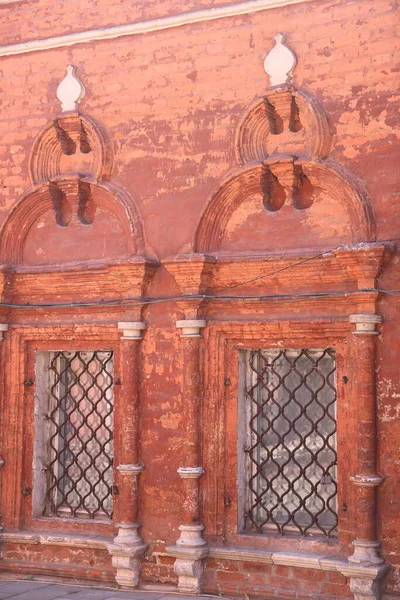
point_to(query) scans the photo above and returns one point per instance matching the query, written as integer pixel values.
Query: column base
(365, 580)
(128, 546)
(189, 567)
(190, 574)
(366, 553)
(365, 589)
(191, 536)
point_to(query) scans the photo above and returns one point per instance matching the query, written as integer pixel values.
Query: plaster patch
(390, 413)
(171, 421)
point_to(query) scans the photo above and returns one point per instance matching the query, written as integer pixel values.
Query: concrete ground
(33, 590)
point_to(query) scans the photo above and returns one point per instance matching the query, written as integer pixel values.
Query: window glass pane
(291, 452)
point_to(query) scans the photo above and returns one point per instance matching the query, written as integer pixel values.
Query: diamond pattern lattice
(80, 470)
(292, 484)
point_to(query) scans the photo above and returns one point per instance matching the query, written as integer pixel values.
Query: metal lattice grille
(291, 446)
(80, 471)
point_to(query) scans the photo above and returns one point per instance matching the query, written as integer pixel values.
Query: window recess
(290, 446)
(73, 459)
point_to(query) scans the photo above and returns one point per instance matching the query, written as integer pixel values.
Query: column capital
(132, 330)
(365, 323)
(3, 329)
(191, 327)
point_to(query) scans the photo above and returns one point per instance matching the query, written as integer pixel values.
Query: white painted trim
(3, 329)
(140, 27)
(190, 472)
(191, 328)
(132, 330)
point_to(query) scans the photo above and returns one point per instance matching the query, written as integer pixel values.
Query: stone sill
(299, 560)
(96, 542)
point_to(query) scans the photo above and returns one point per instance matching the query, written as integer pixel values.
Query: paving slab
(88, 594)
(50, 592)
(34, 590)
(16, 588)
(138, 595)
(107, 594)
(191, 597)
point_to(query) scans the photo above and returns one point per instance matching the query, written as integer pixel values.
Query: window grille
(80, 434)
(291, 442)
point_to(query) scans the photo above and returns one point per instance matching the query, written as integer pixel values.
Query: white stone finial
(70, 91)
(280, 62)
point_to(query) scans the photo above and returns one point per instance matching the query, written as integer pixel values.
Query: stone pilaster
(190, 548)
(128, 546)
(366, 545)
(3, 329)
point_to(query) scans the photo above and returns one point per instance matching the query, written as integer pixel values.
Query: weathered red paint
(173, 119)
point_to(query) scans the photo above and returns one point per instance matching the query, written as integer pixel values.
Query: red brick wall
(272, 581)
(171, 101)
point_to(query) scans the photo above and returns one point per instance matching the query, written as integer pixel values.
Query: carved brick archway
(70, 198)
(263, 179)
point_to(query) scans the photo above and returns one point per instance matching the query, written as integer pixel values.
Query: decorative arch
(261, 178)
(287, 118)
(71, 135)
(69, 198)
(71, 213)
(286, 194)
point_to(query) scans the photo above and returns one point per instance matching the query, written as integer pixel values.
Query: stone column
(190, 548)
(3, 329)
(128, 545)
(366, 545)
(364, 579)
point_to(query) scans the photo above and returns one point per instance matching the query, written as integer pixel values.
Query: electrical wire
(315, 256)
(300, 262)
(146, 301)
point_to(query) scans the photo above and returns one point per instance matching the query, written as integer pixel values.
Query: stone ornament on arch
(280, 62)
(72, 141)
(71, 135)
(70, 91)
(284, 120)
